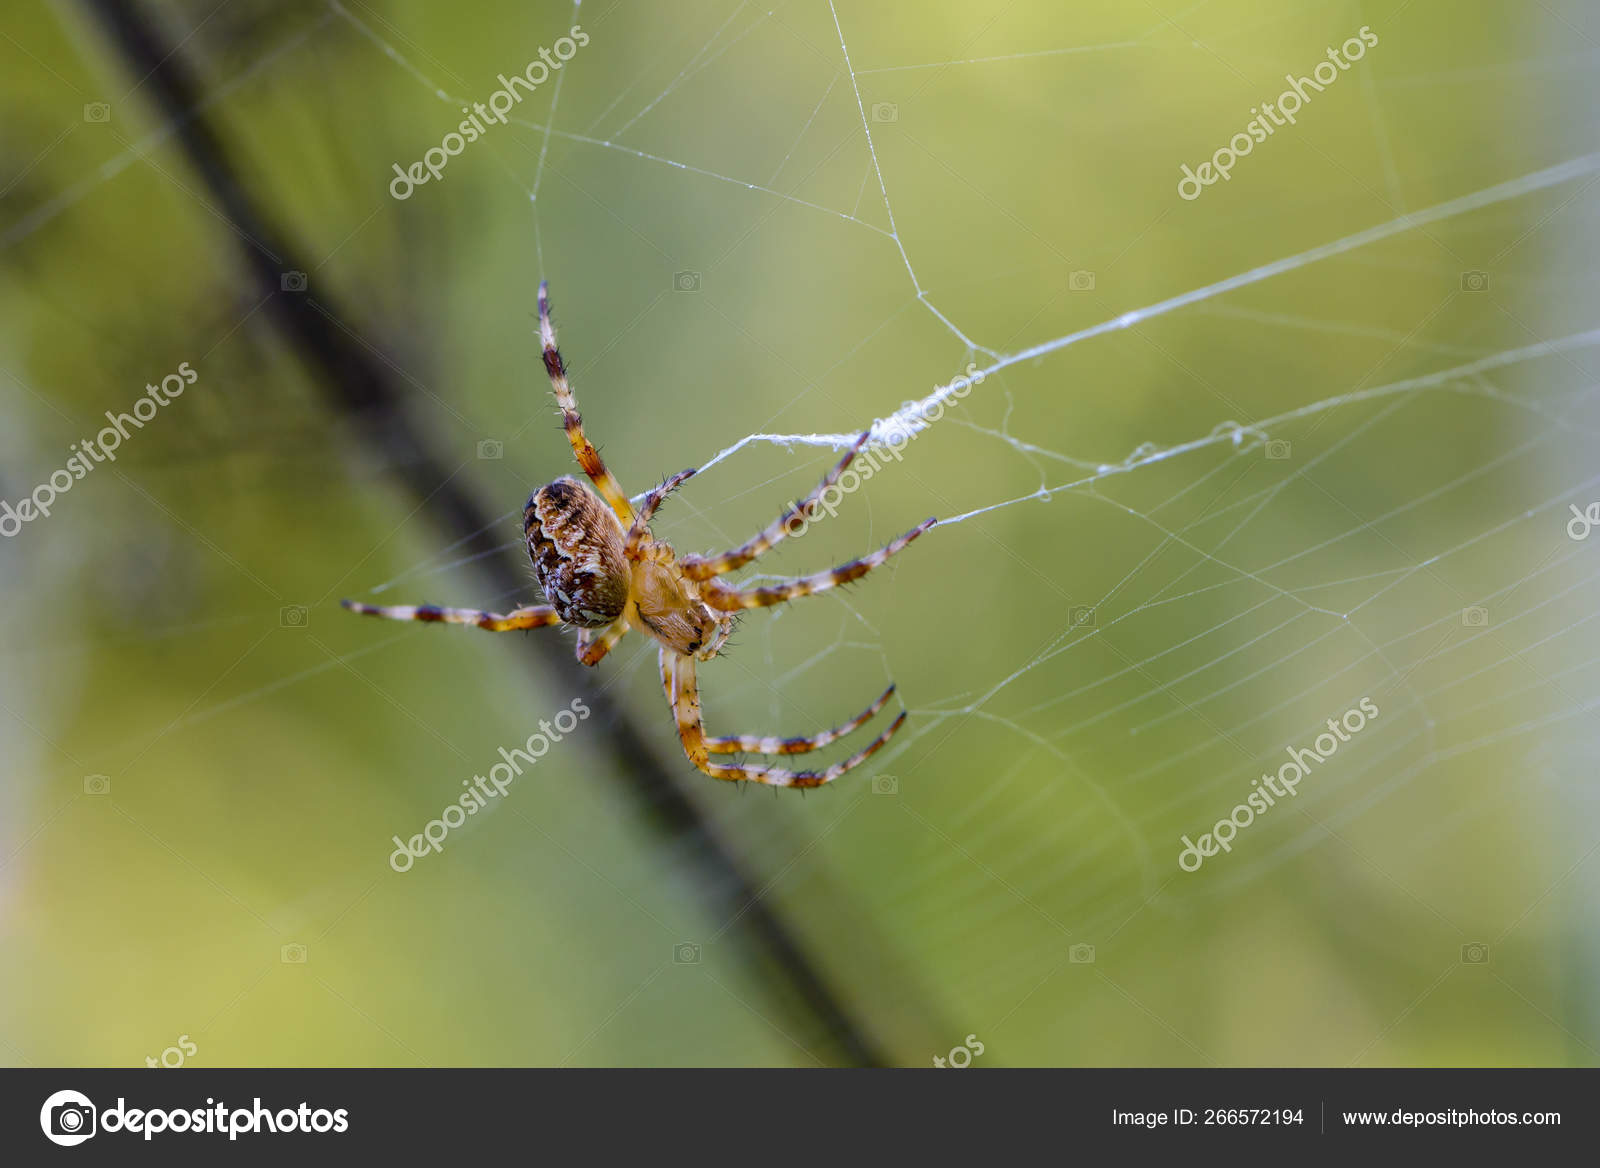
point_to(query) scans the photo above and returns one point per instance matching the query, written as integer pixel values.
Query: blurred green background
(1134, 623)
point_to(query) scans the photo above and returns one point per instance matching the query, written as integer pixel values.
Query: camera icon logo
(491, 449)
(292, 954)
(1081, 954)
(1475, 617)
(1474, 281)
(885, 111)
(1279, 449)
(1080, 614)
(294, 616)
(885, 785)
(293, 281)
(1475, 953)
(97, 784)
(686, 281)
(1081, 281)
(97, 111)
(686, 953)
(67, 1118)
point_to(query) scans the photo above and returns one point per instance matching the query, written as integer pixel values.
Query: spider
(604, 573)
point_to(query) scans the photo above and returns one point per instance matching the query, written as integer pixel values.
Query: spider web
(1299, 629)
(1340, 472)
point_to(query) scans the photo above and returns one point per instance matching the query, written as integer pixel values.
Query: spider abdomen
(576, 546)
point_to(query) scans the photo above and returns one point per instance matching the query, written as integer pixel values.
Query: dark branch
(359, 386)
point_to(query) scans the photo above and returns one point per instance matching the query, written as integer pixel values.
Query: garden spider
(603, 572)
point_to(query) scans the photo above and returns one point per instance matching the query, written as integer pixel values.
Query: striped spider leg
(705, 567)
(639, 533)
(535, 617)
(683, 692)
(678, 673)
(588, 457)
(724, 599)
(604, 573)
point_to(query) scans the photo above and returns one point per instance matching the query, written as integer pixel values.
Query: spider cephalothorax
(603, 573)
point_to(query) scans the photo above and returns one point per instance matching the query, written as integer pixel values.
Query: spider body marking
(604, 573)
(576, 545)
(593, 572)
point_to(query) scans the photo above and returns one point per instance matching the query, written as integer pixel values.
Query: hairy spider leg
(588, 457)
(593, 644)
(683, 693)
(727, 599)
(705, 567)
(535, 617)
(640, 531)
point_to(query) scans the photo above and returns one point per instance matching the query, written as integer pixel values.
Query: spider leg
(588, 457)
(705, 567)
(727, 599)
(678, 679)
(757, 744)
(640, 531)
(593, 644)
(536, 617)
